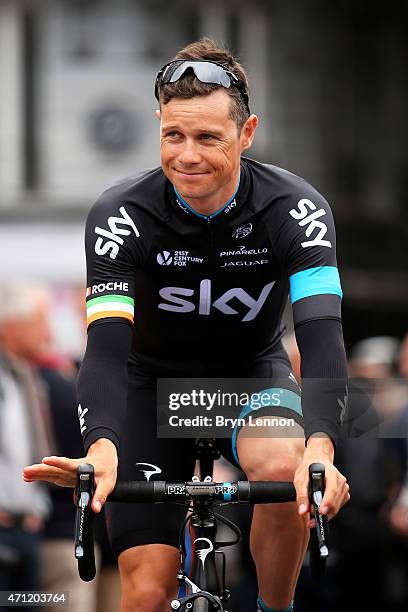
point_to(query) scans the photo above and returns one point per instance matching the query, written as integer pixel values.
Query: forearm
(324, 377)
(102, 383)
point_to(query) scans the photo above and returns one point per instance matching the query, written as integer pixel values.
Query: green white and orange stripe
(110, 306)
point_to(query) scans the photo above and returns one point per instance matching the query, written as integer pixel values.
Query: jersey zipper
(211, 258)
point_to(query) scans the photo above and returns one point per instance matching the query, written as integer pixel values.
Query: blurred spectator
(403, 358)
(374, 362)
(399, 512)
(374, 357)
(368, 564)
(366, 548)
(25, 434)
(60, 567)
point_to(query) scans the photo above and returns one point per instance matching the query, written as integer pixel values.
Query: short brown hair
(189, 86)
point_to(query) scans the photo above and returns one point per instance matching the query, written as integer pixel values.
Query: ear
(248, 132)
(157, 113)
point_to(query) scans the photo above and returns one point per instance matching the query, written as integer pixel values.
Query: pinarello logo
(153, 469)
(202, 553)
(242, 231)
(164, 258)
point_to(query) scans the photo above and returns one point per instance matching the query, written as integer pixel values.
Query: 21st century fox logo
(164, 258)
(177, 258)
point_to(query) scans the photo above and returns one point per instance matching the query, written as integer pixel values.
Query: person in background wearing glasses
(189, 269)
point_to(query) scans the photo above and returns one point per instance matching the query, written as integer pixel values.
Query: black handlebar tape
(158, 491)
(142, 492)
(269, 492)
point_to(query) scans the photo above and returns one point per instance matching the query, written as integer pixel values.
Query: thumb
(101, 493)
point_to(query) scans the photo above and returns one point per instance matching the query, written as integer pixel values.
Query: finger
(40, 469)
(97, 505)
(311, 524)
(63, 463)
(30, 471)
(302, 499)
(328, 503)
(53, 479)
(346, 499)
(50, 474)
(341, 497)
(103, 488)
(332, 513)
(37, 472)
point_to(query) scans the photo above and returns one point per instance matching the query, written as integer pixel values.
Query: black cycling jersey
(203, 291)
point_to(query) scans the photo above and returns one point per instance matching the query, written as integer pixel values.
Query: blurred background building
(329, 83)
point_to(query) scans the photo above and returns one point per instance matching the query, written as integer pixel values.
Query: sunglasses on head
(205, 71)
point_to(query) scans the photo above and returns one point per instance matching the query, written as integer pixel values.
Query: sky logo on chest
(234, 301)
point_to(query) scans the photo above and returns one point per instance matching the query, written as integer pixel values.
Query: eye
(207, 137)
(172, 134)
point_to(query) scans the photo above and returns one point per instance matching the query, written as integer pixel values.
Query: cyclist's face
(201, 146)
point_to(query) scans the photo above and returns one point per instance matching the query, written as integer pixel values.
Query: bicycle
(202, 587)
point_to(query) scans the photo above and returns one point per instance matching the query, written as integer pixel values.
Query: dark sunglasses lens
(204, 71)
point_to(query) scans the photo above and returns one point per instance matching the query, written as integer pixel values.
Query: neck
(209, 207)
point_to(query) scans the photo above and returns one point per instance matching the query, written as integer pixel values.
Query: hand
(62, 470)
(321, 450)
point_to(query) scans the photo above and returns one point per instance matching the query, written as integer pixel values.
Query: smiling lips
(190, 173)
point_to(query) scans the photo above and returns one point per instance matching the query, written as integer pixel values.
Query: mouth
(190, 173)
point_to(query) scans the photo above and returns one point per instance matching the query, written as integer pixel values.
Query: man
(24, 434)
(399, 512)
(200, 319)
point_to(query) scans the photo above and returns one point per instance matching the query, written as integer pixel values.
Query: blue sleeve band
(323, 280)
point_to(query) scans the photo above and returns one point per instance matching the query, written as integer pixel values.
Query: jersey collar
(231, 203)
(227, 210)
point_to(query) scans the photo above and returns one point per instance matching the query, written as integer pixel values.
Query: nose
(189, 154)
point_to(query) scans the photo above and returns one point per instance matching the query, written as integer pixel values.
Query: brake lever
(83, 536)
(316, 492)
